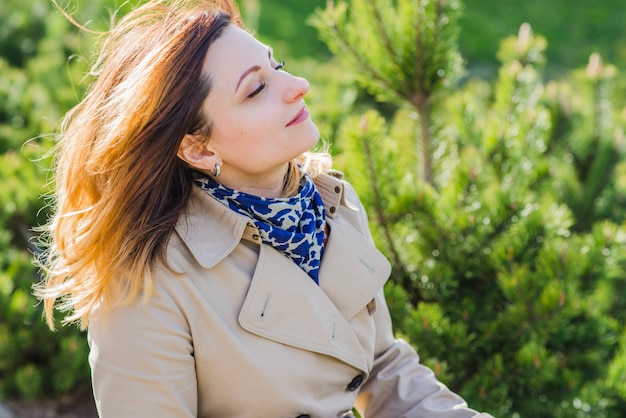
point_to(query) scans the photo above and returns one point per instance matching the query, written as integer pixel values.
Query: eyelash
(258, 90)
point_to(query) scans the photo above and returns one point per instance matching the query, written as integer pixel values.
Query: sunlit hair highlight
(119, 186)
(312, 163)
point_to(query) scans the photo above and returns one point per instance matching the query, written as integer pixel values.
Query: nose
(296, 89)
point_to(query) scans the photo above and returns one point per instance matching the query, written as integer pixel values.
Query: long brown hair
(119, 186)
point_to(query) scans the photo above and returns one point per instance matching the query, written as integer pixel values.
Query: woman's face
(257, 112)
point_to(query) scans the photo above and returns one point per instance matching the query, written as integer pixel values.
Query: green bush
(33, 361)
(38, 84)
(500, 205)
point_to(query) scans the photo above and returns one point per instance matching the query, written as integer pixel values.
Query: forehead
(231, 54)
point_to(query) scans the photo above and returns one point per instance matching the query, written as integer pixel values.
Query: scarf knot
(293, 225)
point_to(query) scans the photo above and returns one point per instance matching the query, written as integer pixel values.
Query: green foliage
(508, 256)
(408, 54)
(588, 139)
(391, 67)
(38, 84)
(33, 362)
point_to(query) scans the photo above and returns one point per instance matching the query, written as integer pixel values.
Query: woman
(221, 269)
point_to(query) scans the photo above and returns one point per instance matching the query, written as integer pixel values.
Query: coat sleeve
(399, 385)
(142, 361)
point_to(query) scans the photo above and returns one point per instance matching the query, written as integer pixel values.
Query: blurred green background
(574, 29)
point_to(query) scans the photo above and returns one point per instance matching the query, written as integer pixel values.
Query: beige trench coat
(244, 332)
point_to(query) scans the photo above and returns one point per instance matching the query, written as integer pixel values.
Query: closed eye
(257, 90)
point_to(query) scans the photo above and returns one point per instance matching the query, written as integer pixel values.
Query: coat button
(355, 383)
(337, 189)
(333, 209)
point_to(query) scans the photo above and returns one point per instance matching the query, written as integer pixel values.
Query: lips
(300, 117)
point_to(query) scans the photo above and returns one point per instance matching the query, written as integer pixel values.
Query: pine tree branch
(600, 162)
(363, 63)
(388, 47)
(419, 99)
(425, 142)
(382, 31)
(419, 64)
(380, 211)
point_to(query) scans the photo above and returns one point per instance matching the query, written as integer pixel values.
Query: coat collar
(211, 230)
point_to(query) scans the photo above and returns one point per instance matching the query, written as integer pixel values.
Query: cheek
(248, 131)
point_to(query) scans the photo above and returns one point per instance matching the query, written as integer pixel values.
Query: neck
(269, 185)
(262, 190)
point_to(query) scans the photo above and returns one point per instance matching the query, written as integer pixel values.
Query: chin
(313, 136)
(306, 138)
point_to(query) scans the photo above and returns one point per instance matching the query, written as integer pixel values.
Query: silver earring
(217, 170)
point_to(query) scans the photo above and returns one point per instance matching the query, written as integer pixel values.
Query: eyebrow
(252, 69)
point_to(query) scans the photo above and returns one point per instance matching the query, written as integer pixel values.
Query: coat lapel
(353, 271)
(283, 303)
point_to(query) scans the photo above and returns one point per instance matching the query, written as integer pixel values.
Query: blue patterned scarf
(293, 225)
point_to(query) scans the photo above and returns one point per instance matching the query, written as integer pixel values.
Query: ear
(197, 153)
